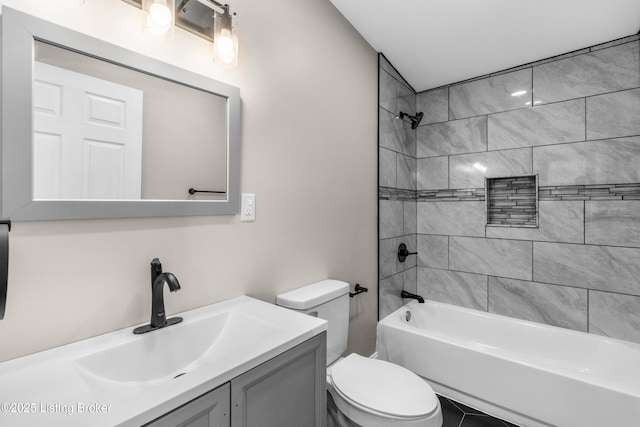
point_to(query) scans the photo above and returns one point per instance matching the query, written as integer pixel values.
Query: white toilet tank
(328, 300)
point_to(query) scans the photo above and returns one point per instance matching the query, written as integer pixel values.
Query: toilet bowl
(376, 393)
(362, 391)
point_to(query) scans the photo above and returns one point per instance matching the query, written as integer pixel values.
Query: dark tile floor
(456, 414)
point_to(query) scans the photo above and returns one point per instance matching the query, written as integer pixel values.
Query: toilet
(363, 391)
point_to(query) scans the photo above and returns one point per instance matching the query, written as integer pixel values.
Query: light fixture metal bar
(214, 5)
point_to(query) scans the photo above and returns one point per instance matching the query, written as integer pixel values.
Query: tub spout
(405, 294)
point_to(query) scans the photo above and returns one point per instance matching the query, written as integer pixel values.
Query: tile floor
(456, 414)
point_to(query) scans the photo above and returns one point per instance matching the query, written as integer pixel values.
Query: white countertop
(51, 388)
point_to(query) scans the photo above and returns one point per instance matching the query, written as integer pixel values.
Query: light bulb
(225, 47)
(159, 14)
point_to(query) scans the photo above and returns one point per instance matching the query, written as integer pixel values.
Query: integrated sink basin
(127, 379)
(173, 351)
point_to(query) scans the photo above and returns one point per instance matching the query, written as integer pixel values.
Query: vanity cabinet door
(286, 391)
(209, 410)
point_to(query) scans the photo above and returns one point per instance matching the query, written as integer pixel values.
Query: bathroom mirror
(92, 130)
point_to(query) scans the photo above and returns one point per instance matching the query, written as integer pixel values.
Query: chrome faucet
(158, 316)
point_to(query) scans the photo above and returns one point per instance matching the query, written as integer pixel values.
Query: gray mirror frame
(19, 32)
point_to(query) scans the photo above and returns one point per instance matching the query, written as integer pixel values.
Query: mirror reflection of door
(87, 136)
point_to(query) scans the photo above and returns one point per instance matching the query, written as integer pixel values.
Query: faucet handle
(403, 252)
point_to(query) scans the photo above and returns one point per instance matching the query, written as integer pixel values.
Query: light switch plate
(248, 207)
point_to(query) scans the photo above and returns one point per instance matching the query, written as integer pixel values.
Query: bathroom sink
(166, 353)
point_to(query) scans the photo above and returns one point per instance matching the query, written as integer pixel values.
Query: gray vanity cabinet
(209, 410)
(289, 390)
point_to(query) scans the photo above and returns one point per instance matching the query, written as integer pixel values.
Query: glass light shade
(158, 17)
(225, 38)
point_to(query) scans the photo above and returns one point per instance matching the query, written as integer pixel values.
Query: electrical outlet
(248, 207)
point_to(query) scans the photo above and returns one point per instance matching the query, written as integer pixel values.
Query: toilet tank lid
(313, 295)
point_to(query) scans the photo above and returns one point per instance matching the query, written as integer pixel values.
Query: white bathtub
(527, 373)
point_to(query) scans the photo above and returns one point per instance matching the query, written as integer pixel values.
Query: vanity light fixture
(158, 17)
(208, 19)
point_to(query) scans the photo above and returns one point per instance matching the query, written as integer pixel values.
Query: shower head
(414, 120)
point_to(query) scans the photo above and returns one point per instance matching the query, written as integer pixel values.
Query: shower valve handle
(403, 252)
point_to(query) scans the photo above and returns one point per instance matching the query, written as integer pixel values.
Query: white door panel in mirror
(182, 129)
(95, 127)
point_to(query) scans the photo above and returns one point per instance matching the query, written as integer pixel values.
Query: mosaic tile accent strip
(591, 192)
(386, 193)
(512, 201)
(467, 194)
(629, 191)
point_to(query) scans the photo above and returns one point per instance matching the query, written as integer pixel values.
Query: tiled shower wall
(573, 120)
(397, 184)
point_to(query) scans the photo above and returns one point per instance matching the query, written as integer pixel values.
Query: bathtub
(527, 373)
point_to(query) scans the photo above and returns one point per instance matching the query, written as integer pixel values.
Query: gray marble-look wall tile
(387, 168)
(411, 140)
(454, 137)
(607, 70)
(410, 217)
(406, 100)
(614, 114)
(389, 291)
(592, 162)
(490, 95)
(603, 268)
(433, 251)
(493, 257)
(410, 280)
(452, 218)
(406, 172)
(388, 257)
(389, 68)
(388, 263)
(434, 104)
(411, 261)
(387, 91)
(614, 315)
(540, 125)
(395, 134)
(389, 295)
(453, 287)
(469, 170)
(538, 302)
(615, 223)
(433, 173)
(391, 131)
(391, 219)
(558, 221)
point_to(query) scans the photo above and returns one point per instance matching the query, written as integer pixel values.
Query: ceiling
(437, 42)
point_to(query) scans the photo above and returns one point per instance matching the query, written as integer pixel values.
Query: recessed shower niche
(512, 201)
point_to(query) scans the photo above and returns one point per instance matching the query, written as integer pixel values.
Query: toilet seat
(374, 388)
